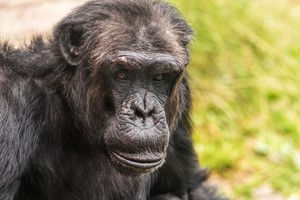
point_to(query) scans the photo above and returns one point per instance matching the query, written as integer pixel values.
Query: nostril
(138, 113)
(150, 114)
(142, 114)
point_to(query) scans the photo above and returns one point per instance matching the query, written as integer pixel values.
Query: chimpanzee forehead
(133, 60)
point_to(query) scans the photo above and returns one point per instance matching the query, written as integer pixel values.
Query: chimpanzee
(100, 110)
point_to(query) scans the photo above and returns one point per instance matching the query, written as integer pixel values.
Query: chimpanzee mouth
(134, 164)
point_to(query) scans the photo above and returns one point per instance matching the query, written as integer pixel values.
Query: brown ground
(20, 19)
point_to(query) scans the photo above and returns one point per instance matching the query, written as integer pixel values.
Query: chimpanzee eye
(159, 77)
(121, 75)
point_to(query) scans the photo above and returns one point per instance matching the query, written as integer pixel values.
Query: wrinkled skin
(101, 110)
(138, 134)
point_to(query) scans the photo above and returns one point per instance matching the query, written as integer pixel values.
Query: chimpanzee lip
(133, 161)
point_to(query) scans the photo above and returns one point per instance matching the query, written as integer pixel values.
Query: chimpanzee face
(141, 84)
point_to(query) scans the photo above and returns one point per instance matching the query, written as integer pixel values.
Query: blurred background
(245, 79)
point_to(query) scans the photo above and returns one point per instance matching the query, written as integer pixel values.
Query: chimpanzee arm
(167, 197)
(21, 122)
(181, 177)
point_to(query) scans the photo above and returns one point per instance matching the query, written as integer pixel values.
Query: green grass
(245, 79)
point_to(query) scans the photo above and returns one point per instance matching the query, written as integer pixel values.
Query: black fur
(55, 106)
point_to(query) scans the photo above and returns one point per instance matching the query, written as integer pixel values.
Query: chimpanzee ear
(70, 43)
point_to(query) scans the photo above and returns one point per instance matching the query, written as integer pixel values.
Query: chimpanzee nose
(143, 108)
(143, 112)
